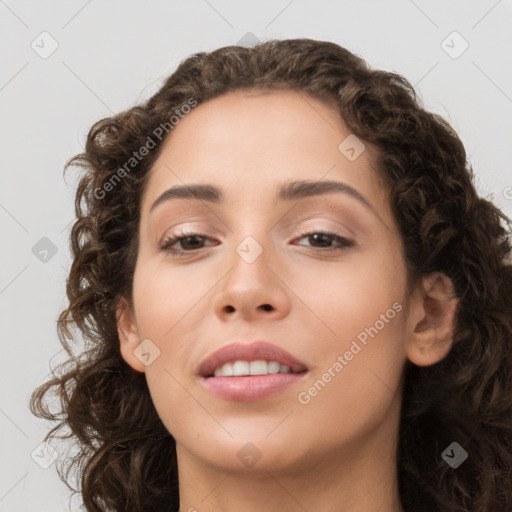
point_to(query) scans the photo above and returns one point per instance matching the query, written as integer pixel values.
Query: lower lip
(253, 387)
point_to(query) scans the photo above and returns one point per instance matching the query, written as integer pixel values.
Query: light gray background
(113, 54)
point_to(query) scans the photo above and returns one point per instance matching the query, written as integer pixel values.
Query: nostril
(267, 307)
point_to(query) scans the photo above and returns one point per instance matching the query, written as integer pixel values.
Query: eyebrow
(290, 191)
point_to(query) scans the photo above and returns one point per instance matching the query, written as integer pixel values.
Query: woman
(292, 298)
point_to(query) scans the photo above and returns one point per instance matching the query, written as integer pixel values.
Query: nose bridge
(251, 258)
(251, 233)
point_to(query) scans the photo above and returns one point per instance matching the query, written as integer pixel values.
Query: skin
(336, 452)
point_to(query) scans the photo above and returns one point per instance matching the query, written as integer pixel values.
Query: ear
(129, 338)
(433, 320)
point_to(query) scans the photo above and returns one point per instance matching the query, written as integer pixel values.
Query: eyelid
(311, 222)
(188, 226)
(330, 211)
(298, 225)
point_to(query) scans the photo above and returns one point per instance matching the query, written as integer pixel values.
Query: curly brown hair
(126, 458)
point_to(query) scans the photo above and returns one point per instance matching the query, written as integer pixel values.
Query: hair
(125, 456)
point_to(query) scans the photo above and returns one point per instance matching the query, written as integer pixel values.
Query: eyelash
(179, 236)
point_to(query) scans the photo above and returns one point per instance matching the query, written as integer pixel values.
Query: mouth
(248, 372)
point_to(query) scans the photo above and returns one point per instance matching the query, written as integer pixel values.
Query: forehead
(254, 139)
(228, 119)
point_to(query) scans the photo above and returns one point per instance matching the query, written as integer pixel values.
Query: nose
(254, 286)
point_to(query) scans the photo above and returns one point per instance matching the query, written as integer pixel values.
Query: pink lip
(253, 387)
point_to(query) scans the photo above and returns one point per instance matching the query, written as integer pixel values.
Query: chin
(255, 454)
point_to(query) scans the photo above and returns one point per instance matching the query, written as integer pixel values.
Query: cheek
(360, 347)
(164, 296)
(165, 300)
(350, 296)
(359, 358)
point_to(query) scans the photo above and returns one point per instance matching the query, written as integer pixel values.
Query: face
(316, 272)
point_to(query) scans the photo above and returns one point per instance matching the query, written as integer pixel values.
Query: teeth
(241, 368)
(226, 370)
(273, 367)
(258, 368)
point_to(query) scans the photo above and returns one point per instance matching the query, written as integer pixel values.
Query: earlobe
(128, 334)
(433, 315)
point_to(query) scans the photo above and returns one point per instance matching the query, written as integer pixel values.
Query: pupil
(188, 238)
(316, 235)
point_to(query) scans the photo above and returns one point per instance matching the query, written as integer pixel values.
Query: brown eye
(321, 240)
(189, 242)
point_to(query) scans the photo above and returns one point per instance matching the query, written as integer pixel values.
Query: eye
(326, 237)
(192, 241)
(189, 242)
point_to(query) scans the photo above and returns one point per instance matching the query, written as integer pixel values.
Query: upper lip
(258, 350)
